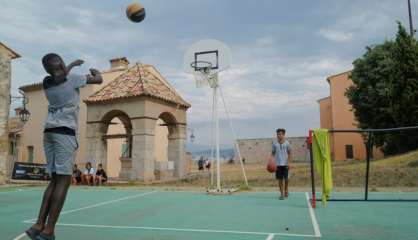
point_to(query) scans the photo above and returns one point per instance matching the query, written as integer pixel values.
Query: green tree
(385, 91)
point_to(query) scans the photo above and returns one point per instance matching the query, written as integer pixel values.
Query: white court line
(270, 236)
(313, 218)
(98, 204)
(183, 230)
(19, 191)
(20, 236)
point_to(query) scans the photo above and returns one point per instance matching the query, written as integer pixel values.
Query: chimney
(119, 63)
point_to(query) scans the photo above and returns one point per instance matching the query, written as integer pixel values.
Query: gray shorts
(60, 151)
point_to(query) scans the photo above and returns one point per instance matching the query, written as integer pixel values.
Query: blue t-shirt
(64, 100)
(281, 152)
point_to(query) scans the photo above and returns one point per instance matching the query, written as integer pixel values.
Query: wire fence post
(312, 169)
(369, 148)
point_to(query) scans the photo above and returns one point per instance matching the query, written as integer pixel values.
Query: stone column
(143, 134)
(5, 77)
(96, 146)
(177, 150)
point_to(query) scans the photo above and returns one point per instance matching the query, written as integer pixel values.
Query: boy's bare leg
(57, 202)
(45, 205)
(281, 187)
(286, 188)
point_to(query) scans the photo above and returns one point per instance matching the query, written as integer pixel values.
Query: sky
(282, 50)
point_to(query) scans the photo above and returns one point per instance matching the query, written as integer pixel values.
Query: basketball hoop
(205, 59)
(202, 74)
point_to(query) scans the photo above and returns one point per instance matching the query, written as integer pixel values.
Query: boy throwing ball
(62, 91)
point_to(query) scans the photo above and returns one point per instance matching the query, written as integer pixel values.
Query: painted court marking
(20, 236)
(269, 235)
(184, 230)
(98, 204)
(87, 207)
(313, 218)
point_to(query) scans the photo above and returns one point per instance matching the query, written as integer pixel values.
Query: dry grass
(398, 173)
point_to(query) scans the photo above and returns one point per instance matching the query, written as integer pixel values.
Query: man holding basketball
(281, 152)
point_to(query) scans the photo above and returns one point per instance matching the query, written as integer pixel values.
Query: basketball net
(204, 78)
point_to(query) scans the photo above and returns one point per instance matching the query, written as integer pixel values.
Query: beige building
(336, 113)
(133, 120)
(6, 56)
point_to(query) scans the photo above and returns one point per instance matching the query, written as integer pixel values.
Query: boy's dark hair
(282, 130)
(48, 57)
(100, 165)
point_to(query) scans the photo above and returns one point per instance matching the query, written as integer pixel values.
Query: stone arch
(164, 153)
(122, 116)
(117, 134)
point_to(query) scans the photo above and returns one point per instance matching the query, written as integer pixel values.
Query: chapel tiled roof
(138, 80)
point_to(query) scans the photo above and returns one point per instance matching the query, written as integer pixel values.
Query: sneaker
(42, 236)
(281, 198)
(32, 233)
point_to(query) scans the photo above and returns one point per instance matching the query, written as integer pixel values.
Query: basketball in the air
(271, 165)
(135, 12)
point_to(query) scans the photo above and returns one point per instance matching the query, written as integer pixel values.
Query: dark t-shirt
(102, 173)
(77, 173)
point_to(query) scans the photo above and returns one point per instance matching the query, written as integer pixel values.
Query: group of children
(90, 176)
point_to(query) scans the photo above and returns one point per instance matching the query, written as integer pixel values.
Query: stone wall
(5, 76)
(259, 150)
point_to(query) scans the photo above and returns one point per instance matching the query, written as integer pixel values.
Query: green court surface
(106, 213)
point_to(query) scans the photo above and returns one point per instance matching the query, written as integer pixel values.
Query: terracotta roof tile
(138, 80)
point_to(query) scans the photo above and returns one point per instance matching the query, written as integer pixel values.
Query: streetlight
(192, 137)
(24, 115)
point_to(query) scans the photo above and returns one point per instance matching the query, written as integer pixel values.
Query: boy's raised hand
(94, 72)
(95, 77)
(77, 62)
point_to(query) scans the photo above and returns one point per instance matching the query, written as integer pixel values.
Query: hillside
(394, 172)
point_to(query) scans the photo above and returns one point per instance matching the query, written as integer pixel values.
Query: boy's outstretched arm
(75, 63)
(94, 77)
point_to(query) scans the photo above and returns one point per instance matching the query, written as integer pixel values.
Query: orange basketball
(271, 165)
(135, 12)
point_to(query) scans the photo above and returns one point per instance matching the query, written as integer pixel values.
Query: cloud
(336, 36)
(280, 61)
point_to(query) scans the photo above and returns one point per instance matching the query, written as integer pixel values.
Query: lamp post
(192, 137)
(24, 115)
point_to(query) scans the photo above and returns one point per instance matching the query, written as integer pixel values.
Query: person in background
(282, 153)
(76, 178)
(200, 164)
(88, 175)
(101, 176)
(207, 164)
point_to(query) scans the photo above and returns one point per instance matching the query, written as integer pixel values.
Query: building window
(11, 148)
(30, 154)
(349, 151)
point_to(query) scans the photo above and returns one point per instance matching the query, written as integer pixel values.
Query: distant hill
(225, 154)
